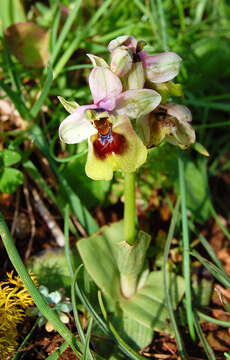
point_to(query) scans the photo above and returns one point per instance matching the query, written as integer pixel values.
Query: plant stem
(128, 285)
(35, 294)
(130, 209)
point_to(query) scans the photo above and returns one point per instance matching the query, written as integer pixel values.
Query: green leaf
(10, 157)
(147, 308)
(101, 249)
(29, 43)
(70, 106)
(10, 179)
(53, 262)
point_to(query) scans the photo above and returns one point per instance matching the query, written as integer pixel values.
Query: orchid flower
(128, 58)
(170, 122)
(113, 143)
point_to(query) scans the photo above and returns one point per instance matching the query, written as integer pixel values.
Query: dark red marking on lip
(118, 145)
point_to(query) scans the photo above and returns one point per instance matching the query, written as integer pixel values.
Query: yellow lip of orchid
(120, 149)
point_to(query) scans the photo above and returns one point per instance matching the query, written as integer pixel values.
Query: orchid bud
(121, 61)
(136, 77)
(126, 40)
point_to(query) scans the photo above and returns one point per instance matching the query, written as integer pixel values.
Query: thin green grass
(186, 248)
(180, 344)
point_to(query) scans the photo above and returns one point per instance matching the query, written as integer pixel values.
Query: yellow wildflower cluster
(14, 300)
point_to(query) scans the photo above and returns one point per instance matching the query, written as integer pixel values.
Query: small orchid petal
(76, 127)
(137, 103)
(136, 77)
(104, 83)
(181, 112)
(160, 67)
(182, 133)
(126, 40)
(121, 61)
(97, 61)
(107, 103)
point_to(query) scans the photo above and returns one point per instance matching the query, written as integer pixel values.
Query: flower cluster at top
(130, 112)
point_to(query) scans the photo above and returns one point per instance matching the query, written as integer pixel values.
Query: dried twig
(51, 223)
(79, 226)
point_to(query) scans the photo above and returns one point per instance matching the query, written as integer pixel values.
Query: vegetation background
(39, 176)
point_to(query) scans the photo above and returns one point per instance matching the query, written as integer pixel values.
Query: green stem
(130, 209)
(40, 302)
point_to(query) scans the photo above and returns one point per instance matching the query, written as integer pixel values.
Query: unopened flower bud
(121, 61)
(136, 77)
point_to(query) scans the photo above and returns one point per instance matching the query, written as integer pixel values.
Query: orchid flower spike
(113, 144)
(157, 68)
(170, 122)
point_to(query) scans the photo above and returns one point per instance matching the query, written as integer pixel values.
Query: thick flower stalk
(113, 143)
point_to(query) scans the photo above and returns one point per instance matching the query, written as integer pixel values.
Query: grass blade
(125, 348)
(81, 34)
(66, 28)
(212, 320)
(186, 255)
(87, 353)
(27, 337)
(55, 355)
(89, 307)
(209, 352)
(222, 227)
(216, 272)
(20, 106)
(37, 106)
(207, 247)
(54, 29)
(181, 348)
